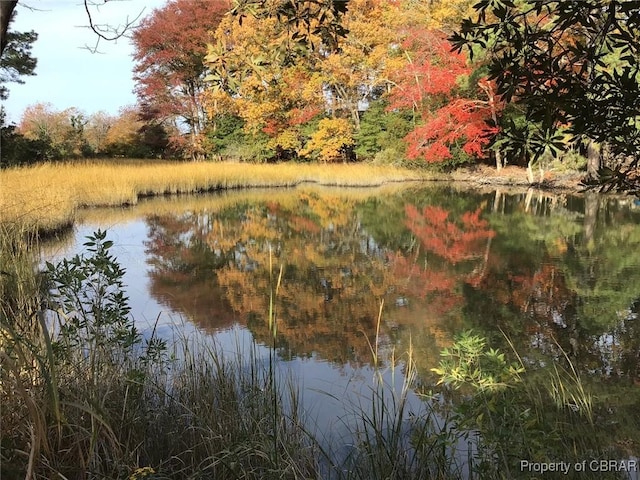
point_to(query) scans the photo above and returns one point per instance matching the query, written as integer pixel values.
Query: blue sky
(68, 75)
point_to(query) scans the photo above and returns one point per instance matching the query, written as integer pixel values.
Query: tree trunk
(6, 10)
(593, 160)
(498, 160)
(530, 177)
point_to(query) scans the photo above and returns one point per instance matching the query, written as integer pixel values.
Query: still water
(381, 271)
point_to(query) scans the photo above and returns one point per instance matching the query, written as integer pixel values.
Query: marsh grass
(48, 196)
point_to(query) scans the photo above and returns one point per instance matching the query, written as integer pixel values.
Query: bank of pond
(403, 331)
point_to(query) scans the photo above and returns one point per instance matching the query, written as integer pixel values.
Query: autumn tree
(129, 135)
(170, 46)
(96, 131)
(273, 89)
(356, 73)
(454, 120)
(333, 141)
(58, 133)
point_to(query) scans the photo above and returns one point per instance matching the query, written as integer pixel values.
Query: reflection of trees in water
(551, 276)
(540, 269)
(181, 277)
(563, 279)
(335, 274)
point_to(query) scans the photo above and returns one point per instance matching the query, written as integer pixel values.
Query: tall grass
(84, 397)
(47, 196)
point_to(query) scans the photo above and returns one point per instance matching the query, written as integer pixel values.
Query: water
(558, 276)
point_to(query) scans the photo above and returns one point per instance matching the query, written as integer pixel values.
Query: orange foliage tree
(60, 134)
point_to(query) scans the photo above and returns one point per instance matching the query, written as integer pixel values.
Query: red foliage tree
(170, 46)
(429, 84)
(446, 238)
(462, 120)
(431, 70)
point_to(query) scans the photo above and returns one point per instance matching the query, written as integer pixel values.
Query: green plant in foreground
(545, 416)
(92, 309)
(469, 363)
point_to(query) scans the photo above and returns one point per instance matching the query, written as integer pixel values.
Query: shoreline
(46, 198)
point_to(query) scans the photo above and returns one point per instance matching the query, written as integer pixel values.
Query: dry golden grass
(166, 205)
(48, 196)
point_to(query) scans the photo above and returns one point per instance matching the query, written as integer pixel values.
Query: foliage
(332, 141)
(128, 135)
(382, 130)
(254, 79)
(16, 149)
(301, 18)
(170, 46)
(358, 72)
(95, 312)
(571, 64)
(469, 363)
(429, 83)
(225, 130)
(96, 131)
(60, 134)
(16, 60)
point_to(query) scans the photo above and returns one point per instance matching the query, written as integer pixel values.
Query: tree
(96, 131)
(566, 63)
(16, 59)
(170, 46)
(6, 12)
(60, 134)
(453, 117)
(129, 135)
(255, 77)
(356, 73)
(332, 141)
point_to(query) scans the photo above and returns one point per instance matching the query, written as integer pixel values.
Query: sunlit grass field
(48, 196)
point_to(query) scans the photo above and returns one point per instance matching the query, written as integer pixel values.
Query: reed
(48, 196)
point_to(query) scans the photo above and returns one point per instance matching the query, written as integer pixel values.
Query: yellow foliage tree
(332, 141)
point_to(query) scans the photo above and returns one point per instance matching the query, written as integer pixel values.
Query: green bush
(382, 130)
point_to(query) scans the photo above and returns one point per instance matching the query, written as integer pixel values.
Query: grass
(48, 196)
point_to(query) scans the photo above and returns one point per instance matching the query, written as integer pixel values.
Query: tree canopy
(170, 46)
(16, 60)
(570, 64)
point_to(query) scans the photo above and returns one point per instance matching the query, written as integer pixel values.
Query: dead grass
(48, 196)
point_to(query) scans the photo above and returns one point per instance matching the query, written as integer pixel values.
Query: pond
(375, 273)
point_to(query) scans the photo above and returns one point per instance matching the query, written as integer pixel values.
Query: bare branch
(107, 32)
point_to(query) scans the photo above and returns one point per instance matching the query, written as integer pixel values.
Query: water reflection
(554, 273)
(557, 275)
